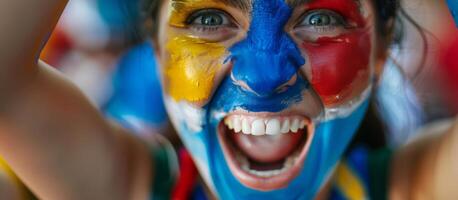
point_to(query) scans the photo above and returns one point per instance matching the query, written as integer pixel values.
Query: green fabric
(379, 169)
(164, 175)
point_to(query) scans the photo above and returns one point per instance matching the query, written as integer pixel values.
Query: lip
(257, 182)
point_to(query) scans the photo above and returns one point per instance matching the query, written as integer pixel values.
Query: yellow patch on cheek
(191, 68)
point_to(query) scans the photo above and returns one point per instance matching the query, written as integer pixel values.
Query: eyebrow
(244, 5)
(295, 3)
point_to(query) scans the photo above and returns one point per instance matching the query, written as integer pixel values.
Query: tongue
(268, 149)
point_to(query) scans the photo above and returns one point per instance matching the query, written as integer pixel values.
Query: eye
(320, 23)
(322, 18)
(209, 18)
(211, 25)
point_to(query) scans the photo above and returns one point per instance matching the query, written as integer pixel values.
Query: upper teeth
(264, 126)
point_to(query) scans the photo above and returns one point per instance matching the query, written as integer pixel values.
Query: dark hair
(386, 11)
(154, 9)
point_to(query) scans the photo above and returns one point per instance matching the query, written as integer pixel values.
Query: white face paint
(189, 122)
(323, 114)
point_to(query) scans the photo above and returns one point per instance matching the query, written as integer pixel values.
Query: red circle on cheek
(339, 65)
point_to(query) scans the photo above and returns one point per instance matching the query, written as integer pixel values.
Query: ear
(155, 43)
(381, 57)
(157, 10)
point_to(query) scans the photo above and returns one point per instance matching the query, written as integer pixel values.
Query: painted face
(266, 94)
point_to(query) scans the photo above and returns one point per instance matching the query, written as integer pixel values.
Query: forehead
(241, 4)
(246, 5)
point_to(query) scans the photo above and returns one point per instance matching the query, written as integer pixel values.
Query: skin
(112, 164)
(337, 80)
(55, 131)
(351, 70)
(427, 167)
(175, 38)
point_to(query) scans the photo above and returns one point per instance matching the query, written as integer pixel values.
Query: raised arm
(428, 167)
(50, 134)
(25, 26)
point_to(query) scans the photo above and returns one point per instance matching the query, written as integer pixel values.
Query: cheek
(340, 65)
(191, 68)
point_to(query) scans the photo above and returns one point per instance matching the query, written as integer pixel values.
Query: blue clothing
(137, 90)
(453, 6)
(362, 174)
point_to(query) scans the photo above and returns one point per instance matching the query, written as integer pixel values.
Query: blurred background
(104, 46)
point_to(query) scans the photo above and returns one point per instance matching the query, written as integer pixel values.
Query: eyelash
(205, 29)
(336, 21)
(324, 29)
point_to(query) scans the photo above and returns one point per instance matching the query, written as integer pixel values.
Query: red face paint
(340, 65)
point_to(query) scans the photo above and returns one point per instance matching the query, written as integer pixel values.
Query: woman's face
(266, 94)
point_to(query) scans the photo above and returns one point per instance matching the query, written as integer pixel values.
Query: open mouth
(265, 153)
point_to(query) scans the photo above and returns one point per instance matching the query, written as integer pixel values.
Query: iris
(211, 19)
(319, 20)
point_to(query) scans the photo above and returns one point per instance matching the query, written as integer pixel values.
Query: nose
(265, 72)
(267, 60)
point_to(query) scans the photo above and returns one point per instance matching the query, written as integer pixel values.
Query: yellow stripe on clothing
(5, 168)
(349, 184)
(21, 191)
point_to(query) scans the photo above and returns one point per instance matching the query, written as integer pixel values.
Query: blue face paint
(453, 6)
(329, 143)
(268, 57)
(230, 96)
(265, 60)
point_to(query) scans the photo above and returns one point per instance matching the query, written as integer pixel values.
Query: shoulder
(437, 128)
(425, 164)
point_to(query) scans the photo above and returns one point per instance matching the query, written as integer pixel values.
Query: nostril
(264, 72)
(284, 87)
(242, 84)
(263, 89)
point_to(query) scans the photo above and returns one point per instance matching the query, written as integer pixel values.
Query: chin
(277, 155)
(262, 150)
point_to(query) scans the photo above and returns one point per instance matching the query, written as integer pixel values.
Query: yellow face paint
(191, 68)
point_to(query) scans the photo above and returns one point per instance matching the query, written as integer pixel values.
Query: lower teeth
(245, 165)
(242, 160)
(266, 174)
